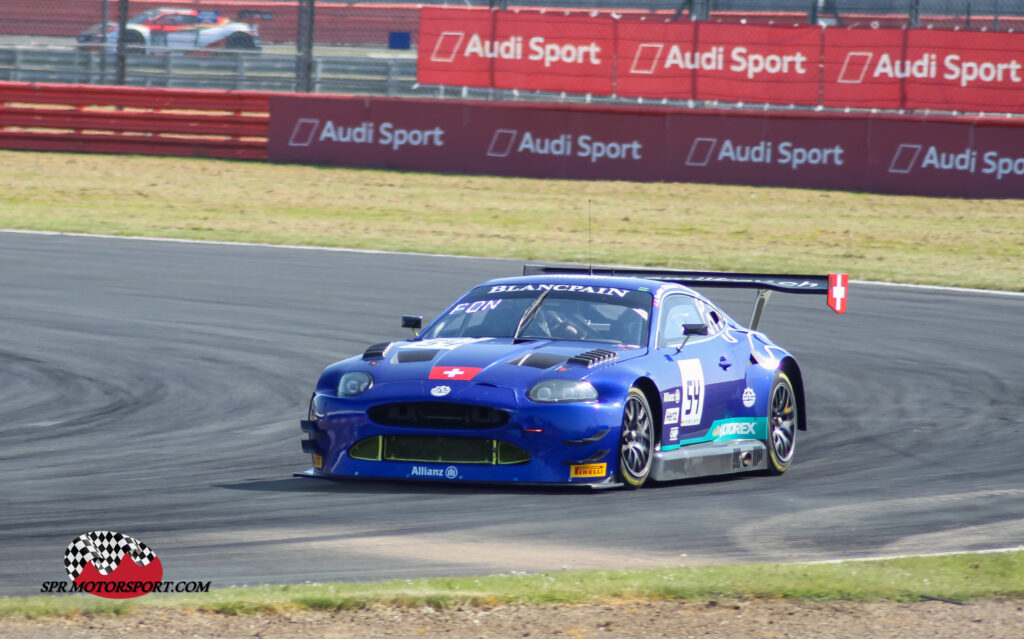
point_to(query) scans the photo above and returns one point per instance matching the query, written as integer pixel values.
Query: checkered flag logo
(104, 549)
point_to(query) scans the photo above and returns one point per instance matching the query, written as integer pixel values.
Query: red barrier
(978, 157)
(774, 65)
(850, 61)
(658, 58)
(802, 65)
(529, 50)
(202, 123)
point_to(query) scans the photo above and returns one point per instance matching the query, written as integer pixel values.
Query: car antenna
(590, 237)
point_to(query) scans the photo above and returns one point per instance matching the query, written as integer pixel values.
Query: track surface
(155, 388)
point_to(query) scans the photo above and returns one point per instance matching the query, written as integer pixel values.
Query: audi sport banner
(977, 157)
(924, 69)
(717, 62)
(962, 70)
(802, 65)
(775, 65)
(852, 75)
(529, 51)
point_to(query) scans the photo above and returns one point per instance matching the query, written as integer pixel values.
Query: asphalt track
(154, 388)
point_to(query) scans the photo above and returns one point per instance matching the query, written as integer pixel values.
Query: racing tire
(783, 419)
(636, 443)
(240, 41)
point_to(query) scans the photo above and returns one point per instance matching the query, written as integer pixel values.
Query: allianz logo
(451, 472)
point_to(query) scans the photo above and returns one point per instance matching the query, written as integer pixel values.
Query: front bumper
(566, 444)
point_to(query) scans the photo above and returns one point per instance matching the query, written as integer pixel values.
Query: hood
(492, 361)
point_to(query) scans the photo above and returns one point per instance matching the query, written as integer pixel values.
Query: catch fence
(858, 54)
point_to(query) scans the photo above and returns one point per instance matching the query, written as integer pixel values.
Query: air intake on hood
(376, 351)
(593, 358)
(538, 360)
(407, 355)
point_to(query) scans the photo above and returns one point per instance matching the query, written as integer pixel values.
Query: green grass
(972, 243)
(958, 578)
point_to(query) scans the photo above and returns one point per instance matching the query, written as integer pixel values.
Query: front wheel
(636, 444)
(782, 424)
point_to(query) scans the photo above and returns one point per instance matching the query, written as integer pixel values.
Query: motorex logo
(739, 427)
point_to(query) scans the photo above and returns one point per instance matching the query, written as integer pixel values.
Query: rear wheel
(636, 444)
(240, 41)
(782, 424)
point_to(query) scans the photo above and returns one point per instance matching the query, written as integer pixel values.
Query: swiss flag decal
(838, 290)
(454, 372)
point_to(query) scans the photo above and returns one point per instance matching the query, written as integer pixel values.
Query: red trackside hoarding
(969, 71)
(529, 51)
(924, 69)
(800, 65)
(850, 68)
(889, 154)
(774, 65)
(658, 59)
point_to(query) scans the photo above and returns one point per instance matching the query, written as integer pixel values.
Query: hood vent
(409, 355)
(538, 360)
(593, 358)
(376, 351)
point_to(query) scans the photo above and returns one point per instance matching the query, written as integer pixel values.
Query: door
(703, 373)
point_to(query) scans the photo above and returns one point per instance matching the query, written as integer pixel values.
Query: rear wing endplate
(834, 286)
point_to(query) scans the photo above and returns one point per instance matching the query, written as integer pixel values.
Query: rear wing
(834, 286)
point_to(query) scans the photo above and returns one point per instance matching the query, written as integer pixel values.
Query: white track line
(956, 553)
(465, 257)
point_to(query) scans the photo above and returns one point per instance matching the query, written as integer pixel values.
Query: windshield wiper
(529, 314)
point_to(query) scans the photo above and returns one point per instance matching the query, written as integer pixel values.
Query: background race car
(158, 29)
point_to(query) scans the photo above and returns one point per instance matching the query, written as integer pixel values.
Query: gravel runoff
(755, 619)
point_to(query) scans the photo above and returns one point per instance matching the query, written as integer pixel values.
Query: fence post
(304, 42)
(122, 22)
(915, 14)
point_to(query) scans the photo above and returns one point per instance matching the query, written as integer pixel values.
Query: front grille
(438, 450)
(437, 415)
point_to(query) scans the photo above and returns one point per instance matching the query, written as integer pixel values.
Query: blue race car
(595, 376)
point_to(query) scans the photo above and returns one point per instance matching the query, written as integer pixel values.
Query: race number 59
(692, 381)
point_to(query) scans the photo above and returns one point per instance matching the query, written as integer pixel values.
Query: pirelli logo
(577, 471)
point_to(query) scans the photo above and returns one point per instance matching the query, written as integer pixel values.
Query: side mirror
(414, 322)
(695, 329)
(690, 330)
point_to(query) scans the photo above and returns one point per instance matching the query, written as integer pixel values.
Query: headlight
(353, 383)
(555, 391)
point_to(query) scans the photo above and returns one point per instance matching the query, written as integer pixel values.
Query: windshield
(549, 311)
(145, 17)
